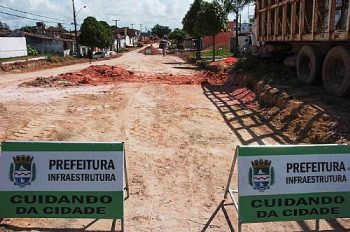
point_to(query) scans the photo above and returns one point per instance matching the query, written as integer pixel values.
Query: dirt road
(180, 141)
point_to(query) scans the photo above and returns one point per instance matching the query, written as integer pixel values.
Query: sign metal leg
(126, 178)
(317, 227)
(231, 174)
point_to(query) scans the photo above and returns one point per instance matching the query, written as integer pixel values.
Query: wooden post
(301, 19)
(293, 19)
(268, 19)
(284, 22)
(276, 26)
(263, 15)
(257, 8)
(314, 19)
(348, 22)
(331, 18)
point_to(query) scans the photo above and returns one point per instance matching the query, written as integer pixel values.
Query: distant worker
(90, 55)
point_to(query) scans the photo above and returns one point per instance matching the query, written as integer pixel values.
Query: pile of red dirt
(111, 74)
(92, 75)
(215, 78)
(226, 61)
(97, 74)
(153, 50)
(197, 79)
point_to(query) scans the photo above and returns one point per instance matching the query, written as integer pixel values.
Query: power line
(5, 7)
(38, 20)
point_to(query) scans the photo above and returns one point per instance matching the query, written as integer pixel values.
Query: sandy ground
(180, 141)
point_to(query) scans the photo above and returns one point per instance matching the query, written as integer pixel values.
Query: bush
(247, 63)
(31, 51)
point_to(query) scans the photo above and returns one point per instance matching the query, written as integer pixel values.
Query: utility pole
(75, 30)
(140, 38)
(133, 41)
(116, 27)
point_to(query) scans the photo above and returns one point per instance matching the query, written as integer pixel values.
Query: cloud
(145, 12)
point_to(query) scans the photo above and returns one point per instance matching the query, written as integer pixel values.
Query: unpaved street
(180, 141)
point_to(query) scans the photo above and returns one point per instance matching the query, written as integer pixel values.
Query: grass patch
(218, 53)
(208, 54)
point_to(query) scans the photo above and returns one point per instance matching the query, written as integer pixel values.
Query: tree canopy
(178, 35)
(161, 31)
(211, 19)
(190, 20)
(235, 5)
(189, 24)
(205, 18)
(95, 33)
(4, 26)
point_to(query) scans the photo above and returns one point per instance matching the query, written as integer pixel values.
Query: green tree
(189, 24)
(29, 29)
(178, 35)
(160, 31)
(106, 34)
(90, 32)
(212, 19)
(4, 26)
(95, 34)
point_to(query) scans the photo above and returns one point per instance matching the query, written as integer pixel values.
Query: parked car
(98, 55)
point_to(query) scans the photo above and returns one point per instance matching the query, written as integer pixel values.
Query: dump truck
(314, 35)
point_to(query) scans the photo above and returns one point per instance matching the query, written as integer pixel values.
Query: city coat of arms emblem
(261, 175)
(22, 170)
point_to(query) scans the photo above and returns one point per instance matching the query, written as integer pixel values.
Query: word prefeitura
(335, 172)
(81, 165)
(87, 170)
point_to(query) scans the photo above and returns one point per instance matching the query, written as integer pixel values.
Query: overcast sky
(146, 12)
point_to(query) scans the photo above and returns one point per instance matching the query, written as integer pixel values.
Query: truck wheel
(308, 65)
(336, 71)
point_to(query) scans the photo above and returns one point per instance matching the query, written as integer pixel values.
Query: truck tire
(336, 71)
(309, 65)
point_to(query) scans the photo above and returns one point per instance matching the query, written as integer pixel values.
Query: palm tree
(235, 6)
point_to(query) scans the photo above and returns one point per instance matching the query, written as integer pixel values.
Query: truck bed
(303, 20)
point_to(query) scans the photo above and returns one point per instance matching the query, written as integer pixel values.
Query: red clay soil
(104, 74)
(246, 97)
(299, 121)
(225, 61)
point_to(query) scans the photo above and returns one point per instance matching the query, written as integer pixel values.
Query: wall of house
(121, 44)
(222, 40)
(12, 47)
(46, 45)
